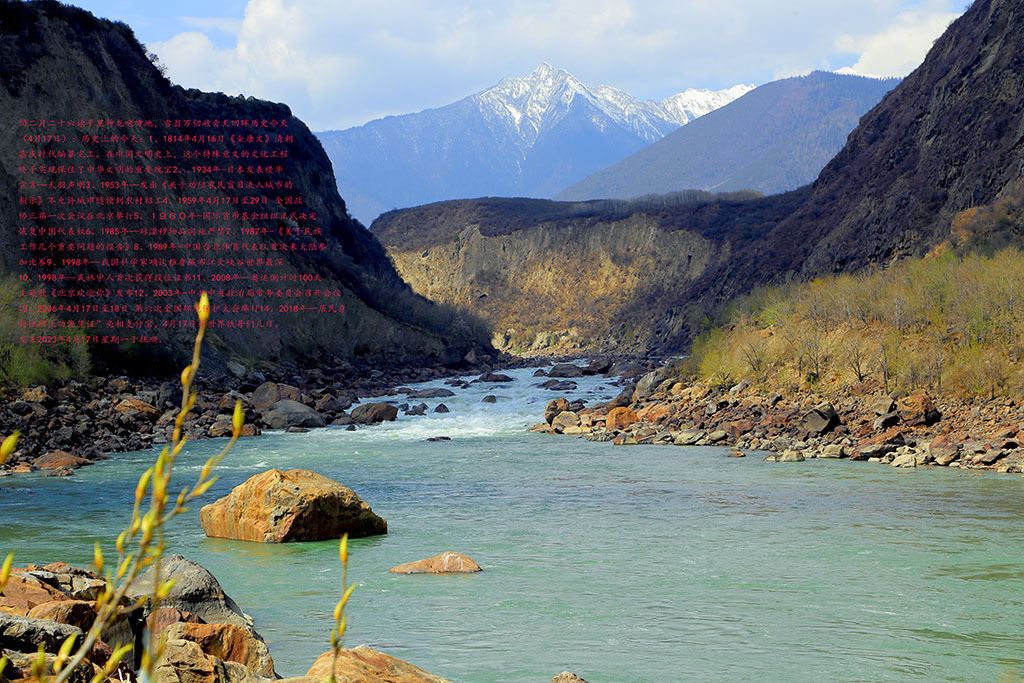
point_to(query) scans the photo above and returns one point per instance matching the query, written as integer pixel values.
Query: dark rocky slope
(59, 62)
(945, 141)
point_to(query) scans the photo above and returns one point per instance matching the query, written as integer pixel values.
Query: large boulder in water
(565, 370)
(299, 505)
(373, 413)
(288, 413)
(364, 664)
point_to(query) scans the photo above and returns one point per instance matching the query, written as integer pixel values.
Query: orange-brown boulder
(619, 418)
(918, 409)
(226, 642)
(362, 664)
(654, 413)
(299, 505)
(133, 407)
(445, 563)
(54, 460)
(269, 393)
(21, 594)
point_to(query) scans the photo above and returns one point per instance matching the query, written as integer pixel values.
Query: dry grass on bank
(945, 323)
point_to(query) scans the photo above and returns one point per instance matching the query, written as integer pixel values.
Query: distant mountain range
(530, 136)
(773, 139)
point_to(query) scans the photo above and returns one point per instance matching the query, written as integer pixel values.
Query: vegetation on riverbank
(946, 323)
(26, 364)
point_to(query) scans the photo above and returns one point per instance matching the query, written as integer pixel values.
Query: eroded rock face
(299, 505)
(363, 664)
(227, 642)
(184, 661)
(445, 563)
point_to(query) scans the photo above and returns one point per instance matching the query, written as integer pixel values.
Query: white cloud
(340, 64)
(226, 24)
(899, 48)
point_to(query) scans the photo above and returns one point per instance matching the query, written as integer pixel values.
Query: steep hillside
(575, 277)
(773, 139)
(528, 136)
(61, 63)
(939, 160)
(947, 139)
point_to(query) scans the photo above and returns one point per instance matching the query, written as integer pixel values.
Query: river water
(642, 563)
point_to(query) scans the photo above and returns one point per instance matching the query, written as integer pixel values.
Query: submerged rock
(445, 563)
(299, 505)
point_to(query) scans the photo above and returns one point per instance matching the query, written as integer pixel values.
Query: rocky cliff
(573, 277)
(61, 63)
(939, 160)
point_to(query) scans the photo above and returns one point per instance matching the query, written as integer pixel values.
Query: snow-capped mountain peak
(537, 102)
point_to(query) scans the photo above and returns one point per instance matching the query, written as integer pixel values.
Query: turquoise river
(644, 563)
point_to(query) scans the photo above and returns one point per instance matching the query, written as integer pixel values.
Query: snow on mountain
(540, 100)
(529, 136)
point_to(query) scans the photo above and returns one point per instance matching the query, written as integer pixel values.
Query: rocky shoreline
(857, 422)
(73, 424)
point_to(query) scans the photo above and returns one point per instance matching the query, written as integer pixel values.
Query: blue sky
(340, 63)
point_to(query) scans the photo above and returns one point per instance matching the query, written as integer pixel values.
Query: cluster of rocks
(209, 639)
(858, 423)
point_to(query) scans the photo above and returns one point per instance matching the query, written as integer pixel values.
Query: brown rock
(445, 563)
(134, 408)
(227, 642)
(269, 393)
(654, 412)
(299, 505)
(361, 665)
(620, 418)
(184, 661)
(918, 409)
(943, 451)
(565, 419)
(22, 593)
(37, 395)
(374, 413)
(57, 459)
(554, 407)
